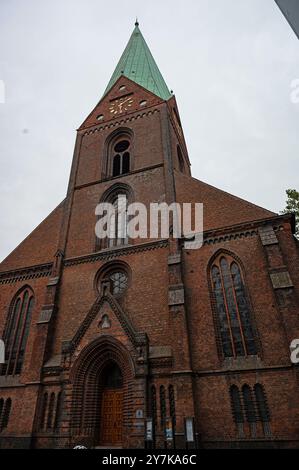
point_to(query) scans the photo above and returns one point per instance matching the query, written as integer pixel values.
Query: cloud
(229, 63)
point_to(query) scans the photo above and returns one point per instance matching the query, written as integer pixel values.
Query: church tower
(130, 289)
(106, 334)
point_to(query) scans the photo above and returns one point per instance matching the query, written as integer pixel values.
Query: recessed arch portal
(102, 380)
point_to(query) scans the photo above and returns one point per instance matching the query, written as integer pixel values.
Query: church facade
(103, 334)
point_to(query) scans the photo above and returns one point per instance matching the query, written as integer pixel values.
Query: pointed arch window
(118, 222)
(121, 157)
(112, 225)
(16, 332)
(232, 308)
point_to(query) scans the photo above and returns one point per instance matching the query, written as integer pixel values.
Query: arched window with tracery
(16, 332)
(112, 224)
(119, 153)
(115, 276)
(233, 313)
(121, 156)
(118, 221)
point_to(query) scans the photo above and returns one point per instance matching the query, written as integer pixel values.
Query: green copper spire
(138, 64)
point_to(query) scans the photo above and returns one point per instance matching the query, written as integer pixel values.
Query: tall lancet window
(112, 223)
(16, 332)
(232, 308)
(118, 221)
(121, 157)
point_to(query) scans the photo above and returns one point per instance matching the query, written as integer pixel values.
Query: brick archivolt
(85, 376)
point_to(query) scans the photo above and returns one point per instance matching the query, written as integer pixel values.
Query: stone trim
(45, 315)
(176, 295)
(267, 235)
(281, 280)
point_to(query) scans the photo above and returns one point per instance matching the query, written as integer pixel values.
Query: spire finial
(136, 22)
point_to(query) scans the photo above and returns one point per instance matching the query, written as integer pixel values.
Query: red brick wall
(201, 385)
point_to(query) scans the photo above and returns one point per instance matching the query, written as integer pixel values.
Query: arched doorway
(111, 406)
(102, 382)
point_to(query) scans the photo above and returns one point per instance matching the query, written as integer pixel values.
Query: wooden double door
(111, 416)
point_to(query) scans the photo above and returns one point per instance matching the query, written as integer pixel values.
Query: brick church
(101, 335)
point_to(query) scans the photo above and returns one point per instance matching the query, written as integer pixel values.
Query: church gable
(39, 246)
(123, 98)
(220, 209)
(106, 317)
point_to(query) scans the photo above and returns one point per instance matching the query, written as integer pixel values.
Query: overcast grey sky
(229, 62)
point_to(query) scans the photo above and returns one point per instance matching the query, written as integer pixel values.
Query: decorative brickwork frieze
(121, 122)
(115, 253)
(24, 274)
